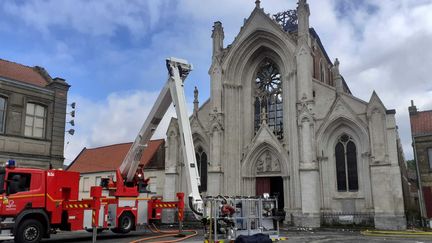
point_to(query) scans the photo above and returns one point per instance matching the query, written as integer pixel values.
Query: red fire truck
(35, 203)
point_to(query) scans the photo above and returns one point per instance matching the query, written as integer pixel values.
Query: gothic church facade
(281, 119)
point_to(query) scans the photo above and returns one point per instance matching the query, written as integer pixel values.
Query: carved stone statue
(267, 163)
(260, 166)
(276, 165)
(268, 160)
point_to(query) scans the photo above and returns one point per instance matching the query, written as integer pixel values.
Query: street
(292, 237)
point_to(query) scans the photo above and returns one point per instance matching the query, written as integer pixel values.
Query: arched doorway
(268, 179)
(265, 170)
(201, 158)
(273, 185)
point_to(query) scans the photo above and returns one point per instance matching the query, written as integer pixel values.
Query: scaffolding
(229, 217)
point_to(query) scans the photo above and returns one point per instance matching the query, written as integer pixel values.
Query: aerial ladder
(130, 178)
(225, 218)
(37, 202)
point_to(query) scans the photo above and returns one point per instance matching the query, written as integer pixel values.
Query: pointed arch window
(201, 158)
(346, 164)
(268, 97)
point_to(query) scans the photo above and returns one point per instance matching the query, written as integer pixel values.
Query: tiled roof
(421, 123)
(19, 72)
(109, 158)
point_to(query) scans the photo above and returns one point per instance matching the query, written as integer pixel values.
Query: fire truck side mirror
(104, 183)
(7, 182)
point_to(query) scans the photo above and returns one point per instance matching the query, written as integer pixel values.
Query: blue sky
(112, 52)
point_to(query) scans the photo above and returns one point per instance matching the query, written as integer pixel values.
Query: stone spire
(304, 53)
(303, 14)
(218, 37)
(257, 4)
(337, 78)
(196, 102)
(309, 170)
(215, 68)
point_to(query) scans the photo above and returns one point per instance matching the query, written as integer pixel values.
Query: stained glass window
(346, 164)
(268, 97)
(201, 158)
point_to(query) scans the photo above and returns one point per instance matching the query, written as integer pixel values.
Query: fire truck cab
(35, 203)
(31, 201)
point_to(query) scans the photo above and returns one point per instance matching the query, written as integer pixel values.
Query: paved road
(293, 237)
(104, 237)
(347, 236)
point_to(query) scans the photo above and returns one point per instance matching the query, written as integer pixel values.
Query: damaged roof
(17, 72)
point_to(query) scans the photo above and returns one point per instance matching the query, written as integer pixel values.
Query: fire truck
(35, 203)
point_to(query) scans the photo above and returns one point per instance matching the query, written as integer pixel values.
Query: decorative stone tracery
(268, 97)
(267, 163)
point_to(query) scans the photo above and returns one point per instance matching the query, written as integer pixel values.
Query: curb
(397, 233)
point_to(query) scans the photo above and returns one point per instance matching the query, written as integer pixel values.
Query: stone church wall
(249, 153)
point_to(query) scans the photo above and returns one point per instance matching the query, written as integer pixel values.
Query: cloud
(96, 18)
(382, 45)
(117, 119)
(106, 49)
(386, 54)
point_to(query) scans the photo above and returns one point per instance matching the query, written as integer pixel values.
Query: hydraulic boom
(172, 92)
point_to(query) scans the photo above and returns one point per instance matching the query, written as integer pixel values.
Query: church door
(262, 185)
(271, 185)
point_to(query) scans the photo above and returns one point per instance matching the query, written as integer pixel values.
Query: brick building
(421, 131)
(102, 162)
(409, 186)
(32, 116)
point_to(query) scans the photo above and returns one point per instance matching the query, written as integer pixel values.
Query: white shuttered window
(35, 121)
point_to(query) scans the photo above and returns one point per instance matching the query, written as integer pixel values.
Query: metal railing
(347, 218)
(249, 216)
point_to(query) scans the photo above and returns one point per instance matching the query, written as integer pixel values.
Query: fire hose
(166, 233)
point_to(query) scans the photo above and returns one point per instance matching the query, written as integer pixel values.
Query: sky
(112, 53)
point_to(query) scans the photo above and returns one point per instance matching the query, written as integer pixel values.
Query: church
(282, 120)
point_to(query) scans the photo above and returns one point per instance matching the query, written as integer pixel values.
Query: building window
(85, 184)
(430, 157)
(346, 164)
(3, 103)
(97, 181)
(35, 120)
(268, 97)
(201, 158)
(18, 182)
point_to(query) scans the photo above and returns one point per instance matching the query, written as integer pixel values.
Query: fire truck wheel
(29, 231)
(125, 223)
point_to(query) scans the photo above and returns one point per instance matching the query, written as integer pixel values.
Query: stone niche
(267, 163)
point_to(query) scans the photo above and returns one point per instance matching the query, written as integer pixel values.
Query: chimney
(412, 109)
